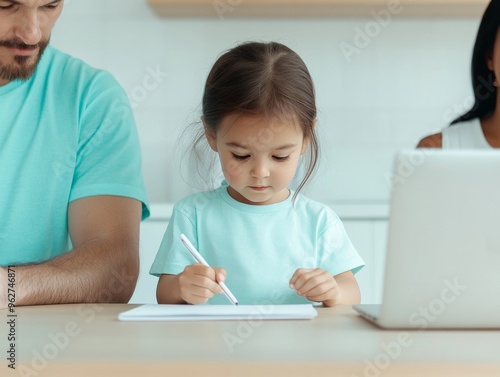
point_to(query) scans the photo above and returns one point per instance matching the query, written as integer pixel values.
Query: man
(71, 189)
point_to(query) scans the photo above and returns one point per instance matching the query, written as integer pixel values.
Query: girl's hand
(317, 285)
(199, 283)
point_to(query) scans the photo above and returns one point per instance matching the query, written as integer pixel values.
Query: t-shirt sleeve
(336, 253)
(108, 160)
(172, 256)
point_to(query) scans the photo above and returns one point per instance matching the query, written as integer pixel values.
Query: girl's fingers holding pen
(198, 280)
(202, 270)
(196, 295)
(220, 274)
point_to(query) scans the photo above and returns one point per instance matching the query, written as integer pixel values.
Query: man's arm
(103, 265)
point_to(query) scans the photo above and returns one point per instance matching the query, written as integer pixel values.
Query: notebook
(442, 265)
(217, 312)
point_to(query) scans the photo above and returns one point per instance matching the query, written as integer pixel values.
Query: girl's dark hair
(262, 79)
(485, 92)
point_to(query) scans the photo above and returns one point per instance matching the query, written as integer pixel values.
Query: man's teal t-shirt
(259, 246)
(66, 133)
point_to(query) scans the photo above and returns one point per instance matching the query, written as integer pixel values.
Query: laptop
(442, 265)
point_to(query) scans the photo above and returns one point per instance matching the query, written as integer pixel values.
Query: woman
(479, 128)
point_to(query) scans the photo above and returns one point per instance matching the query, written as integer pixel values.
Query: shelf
(227, 9)
(161, 212)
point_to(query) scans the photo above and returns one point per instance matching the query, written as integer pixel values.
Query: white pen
(202, 260)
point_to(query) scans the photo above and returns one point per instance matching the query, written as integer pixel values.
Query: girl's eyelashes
(245, 157)
(281, 158)
(240, 157)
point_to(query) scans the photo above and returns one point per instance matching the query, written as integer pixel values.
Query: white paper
(217, 312)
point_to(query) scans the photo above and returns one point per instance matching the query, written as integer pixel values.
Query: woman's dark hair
(485, 92)
(262, 79)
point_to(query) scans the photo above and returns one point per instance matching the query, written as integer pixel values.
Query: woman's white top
(465, 135)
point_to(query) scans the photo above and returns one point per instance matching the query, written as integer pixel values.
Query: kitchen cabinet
(369, 237)
(318, 8)
(152, 231)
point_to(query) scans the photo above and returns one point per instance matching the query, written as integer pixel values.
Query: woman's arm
(431, 141)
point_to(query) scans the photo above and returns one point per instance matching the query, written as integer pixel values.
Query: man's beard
(21, 69)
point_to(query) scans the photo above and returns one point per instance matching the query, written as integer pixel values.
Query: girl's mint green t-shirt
(66, 133)
(260, 247)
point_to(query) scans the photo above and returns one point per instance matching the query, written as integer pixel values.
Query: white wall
(408, 81)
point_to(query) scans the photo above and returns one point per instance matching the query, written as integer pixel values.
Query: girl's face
(258, 157)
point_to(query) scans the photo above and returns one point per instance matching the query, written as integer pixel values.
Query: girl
(276, 246)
